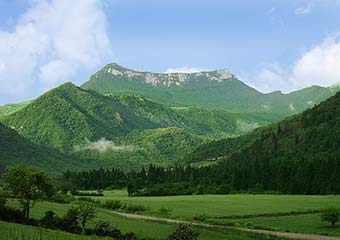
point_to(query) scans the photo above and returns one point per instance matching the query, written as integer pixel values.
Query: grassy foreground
(225, 205)
(12, 231)
(144, 229)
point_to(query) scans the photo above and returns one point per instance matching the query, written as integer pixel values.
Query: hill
(14, 149)
(11, 108)
(218, 89)
(122, 130)
(68, 116)
(298, 155)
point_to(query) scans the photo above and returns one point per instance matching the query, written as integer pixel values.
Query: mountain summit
(218, 89)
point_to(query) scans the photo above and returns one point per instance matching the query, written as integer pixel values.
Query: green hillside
(68, 116)
(14, 149)
(121, 130)
(215, 89)
(299, 154)
(11, 108)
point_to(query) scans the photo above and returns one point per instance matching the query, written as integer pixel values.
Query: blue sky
(271, 45)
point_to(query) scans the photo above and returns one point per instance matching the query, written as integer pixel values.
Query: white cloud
(304, 10)
(184, 70)
(103, 145)
(318, 66)
(51, 42)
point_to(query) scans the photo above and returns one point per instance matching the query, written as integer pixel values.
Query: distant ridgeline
(218, 89)
(299, 155)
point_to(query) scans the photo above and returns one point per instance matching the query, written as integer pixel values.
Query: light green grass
(143, 229)
(12, 231)
(309, 223)
(225, 205)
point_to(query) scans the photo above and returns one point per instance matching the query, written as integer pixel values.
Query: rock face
(164, 79)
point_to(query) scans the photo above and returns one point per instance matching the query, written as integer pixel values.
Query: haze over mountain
(218, 89)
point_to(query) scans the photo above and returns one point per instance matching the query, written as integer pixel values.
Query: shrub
(114, 205)
(183, 232)
(132, 208)
(70, 221)
(331, 215)
(90, 194)
(165, 211)
(201, 218)
(50, 220)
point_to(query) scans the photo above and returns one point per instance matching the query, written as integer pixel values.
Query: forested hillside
(298, 155)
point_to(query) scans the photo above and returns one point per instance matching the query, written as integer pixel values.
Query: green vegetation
(297, 155)
(126, 131)
(15, 149)
(215, 89)
(308, 223)
(8, 109)
(331, 215)
(12, 231)
(29, 185)
(143, 229)
(188, 207)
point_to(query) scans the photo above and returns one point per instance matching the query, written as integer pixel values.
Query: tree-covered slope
(11, 108)
(215, 89)
(68, 116)
(14, 149)
(300, 154)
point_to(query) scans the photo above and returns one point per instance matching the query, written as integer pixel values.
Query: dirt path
(272, 233)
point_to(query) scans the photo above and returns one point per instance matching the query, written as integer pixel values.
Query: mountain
(122, 130)
(300, 154)
(68, 116)
(11, 108)
(218, 89)
(15, 149)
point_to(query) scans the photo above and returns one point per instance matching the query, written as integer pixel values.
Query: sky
(270, 45)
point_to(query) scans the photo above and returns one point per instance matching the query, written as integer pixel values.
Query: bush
(70, 221)
(114, 205)
(62, 198)
(201, 218)
(183, 232)
(132, 208)
(331, 215)
(50, 220)
(89, 194)
(88, 199)
(165, 211)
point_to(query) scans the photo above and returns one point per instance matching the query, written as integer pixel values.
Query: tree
(87, 211)
(331, 215)
(183, 232)
(29, 185)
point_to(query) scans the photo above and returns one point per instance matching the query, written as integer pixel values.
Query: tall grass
(12, 231)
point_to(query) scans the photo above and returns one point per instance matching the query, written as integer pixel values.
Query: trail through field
(267, 232)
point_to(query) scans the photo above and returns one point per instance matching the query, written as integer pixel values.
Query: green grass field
(309, 223)
(143, 229)
(12, 231)
(225, 205)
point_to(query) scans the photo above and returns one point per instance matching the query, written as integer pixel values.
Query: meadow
(143, 229)
(190, 206)
(12, 231)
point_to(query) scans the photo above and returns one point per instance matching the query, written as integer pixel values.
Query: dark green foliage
(183, 232)
(29, 185)
(86, 212)
(331, 215)
(15, 149)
